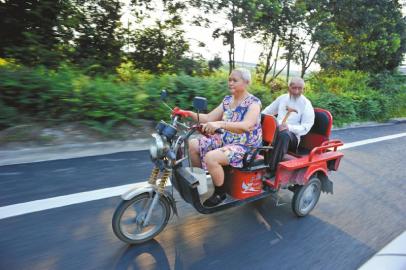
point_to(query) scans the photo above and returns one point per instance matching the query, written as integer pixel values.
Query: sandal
(214, 200)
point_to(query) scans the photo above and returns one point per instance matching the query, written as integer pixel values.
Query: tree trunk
(276, 61)
(290, 52)
(268, 68)
(307, 61)
(231, 52)
(277, 74)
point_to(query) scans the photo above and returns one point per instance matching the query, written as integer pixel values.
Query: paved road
(345, 229)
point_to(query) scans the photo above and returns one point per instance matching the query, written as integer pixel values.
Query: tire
(306, 197)
(124, 222)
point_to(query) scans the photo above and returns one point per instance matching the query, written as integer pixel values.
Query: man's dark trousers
(285, 141)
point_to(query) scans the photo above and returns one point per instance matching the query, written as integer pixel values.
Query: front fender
(150, 189)
(137, 191)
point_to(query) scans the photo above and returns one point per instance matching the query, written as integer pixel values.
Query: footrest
(188, 177)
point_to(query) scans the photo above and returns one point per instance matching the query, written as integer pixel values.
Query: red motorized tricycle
(144, 212)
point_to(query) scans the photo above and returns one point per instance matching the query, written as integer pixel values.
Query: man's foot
(214, 200)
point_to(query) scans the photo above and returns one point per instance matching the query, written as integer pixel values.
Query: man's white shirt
(299, 123)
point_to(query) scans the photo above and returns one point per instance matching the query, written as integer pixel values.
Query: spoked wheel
(129, 217)
(306, 197)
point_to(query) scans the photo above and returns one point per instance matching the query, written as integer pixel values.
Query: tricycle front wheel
(128, 220)
(306, 197)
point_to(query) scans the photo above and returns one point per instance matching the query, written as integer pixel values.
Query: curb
(67, 151)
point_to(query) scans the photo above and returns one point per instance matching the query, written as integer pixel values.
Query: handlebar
(175, 120)
(219, 131)
(199, 128)
(324, 146)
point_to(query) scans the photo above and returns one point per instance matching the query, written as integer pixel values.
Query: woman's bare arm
(247, 124)
(214, 115)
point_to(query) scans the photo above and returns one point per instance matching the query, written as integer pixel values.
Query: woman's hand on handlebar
(182, 113)
(212, 127)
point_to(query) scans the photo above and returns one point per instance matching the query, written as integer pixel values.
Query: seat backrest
(321, 130)
(269, 128)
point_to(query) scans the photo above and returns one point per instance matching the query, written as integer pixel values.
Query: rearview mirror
(200, 104)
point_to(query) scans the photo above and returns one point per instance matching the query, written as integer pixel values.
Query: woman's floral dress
(232, 144)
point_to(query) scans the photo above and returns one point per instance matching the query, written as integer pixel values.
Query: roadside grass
(105, 102)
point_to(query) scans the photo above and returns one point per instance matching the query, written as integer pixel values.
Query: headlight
(169, 132)
(157, 147)
(166, 130)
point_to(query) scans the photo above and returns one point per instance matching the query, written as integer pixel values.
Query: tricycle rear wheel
(306, 197)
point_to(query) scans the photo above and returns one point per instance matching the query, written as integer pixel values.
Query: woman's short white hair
(245, 74)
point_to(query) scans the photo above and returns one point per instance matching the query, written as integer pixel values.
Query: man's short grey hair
(245, 74)
(296, 80)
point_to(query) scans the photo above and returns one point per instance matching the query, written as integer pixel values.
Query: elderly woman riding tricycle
(247, 176)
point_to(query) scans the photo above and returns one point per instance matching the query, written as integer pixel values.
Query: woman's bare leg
(214, 161)
(194, 153)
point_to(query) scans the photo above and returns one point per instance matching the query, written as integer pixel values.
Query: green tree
(100, 34)
(270, 25)
(32, 31)
(194, 65)
(367, 35)
(238, 14)
(293, 16)
(215, 64)
(309, 31)
(47, 32)
(159, 49)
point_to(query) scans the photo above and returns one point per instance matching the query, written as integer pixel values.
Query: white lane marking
(10, 173)
(374, 140)
(49, 203)
(60, 201)
(391, 256)
(111, 159)
(70, 169)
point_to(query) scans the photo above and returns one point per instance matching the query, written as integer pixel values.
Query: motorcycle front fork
(160, 187)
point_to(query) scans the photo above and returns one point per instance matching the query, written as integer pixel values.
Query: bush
(182, 88)
(8, 116)
(340, 82)
(67, 94)
(342, 108)
(351, 96)
(392, 86)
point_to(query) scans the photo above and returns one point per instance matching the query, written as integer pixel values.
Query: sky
(245, 50)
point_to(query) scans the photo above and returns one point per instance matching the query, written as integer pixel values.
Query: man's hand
(283, 127)
(181, 113)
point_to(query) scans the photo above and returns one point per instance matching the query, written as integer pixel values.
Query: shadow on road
(149, 255)
(256, 236)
